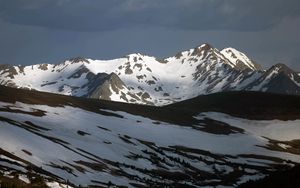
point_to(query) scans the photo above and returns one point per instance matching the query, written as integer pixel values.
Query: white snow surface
(275, 129)
(57, 185)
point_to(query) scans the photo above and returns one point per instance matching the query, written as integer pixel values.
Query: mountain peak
(198, 51)
(79, 60)
(205, 46)
(280, 67)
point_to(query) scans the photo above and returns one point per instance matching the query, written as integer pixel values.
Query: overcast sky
(50, 31)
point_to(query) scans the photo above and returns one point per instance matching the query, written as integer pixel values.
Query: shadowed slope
(251, 105)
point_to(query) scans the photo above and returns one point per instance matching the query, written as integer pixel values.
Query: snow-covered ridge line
(142, 79)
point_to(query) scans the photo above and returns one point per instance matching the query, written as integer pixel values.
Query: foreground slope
(143, 79)
(95, 142)
(279, 179)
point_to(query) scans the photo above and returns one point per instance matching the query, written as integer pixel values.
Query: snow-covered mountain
(143, 79)
(102, 143)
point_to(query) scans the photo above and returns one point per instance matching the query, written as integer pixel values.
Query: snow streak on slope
(143, 79)
(89, 148)
(239, 59)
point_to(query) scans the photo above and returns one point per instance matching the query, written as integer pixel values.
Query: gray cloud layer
(90, 15)
(36, 31)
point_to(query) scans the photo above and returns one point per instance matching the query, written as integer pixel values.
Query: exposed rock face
(204, 49)
(79, 60)
(282, 84)
(278, 79)
(104, 84)
(9, 70)
(43, 66)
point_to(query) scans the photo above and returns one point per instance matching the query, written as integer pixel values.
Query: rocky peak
(115, 80)
(284, 69)
(281, 68)
(282, 83)
(135, 57)
(202, 50)
(79, 60)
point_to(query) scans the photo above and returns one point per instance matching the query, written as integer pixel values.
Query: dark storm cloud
(91, 15)
(61, 14)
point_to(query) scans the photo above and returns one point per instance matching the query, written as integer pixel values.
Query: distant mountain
(143, 79)
(278, 79)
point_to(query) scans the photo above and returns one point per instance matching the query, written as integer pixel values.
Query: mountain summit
(142, 79)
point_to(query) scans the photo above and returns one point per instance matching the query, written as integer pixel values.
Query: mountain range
(143, 79)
